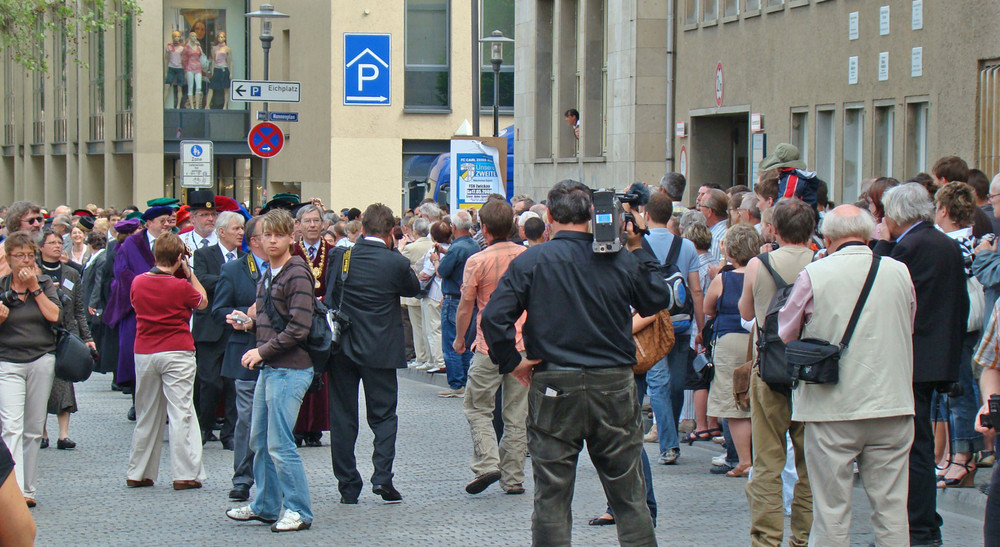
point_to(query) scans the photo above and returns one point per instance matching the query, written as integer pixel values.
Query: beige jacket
(414, 252)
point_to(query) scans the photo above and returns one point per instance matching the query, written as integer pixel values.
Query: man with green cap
(794, 180)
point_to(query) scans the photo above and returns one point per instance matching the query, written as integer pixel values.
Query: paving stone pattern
(82, 498)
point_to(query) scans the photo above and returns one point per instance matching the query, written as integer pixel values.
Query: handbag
(816, 361)
(653, 342)
(741, 379)
(74, 360)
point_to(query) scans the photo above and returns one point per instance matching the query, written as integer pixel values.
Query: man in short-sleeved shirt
(666, 379)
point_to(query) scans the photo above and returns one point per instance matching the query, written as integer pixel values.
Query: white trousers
(24, 397)
(430, 310)
(423, 353)
(164, 387)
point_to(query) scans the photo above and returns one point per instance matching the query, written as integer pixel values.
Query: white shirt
(224, 251)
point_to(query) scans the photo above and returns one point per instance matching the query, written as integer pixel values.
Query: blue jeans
(962, 425)
(457, 366)
(666, 391)
(277, 467)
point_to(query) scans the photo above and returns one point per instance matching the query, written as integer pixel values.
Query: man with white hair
(521, 219)
(450, 269)
(866, 414)
(210, 336)
(414, 252)
(430, 211)
(937, 269)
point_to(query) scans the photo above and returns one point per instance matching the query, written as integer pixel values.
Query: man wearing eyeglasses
(22, 216)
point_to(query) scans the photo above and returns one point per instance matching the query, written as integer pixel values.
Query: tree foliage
(24, 25)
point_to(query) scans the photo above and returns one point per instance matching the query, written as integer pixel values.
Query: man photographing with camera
(579, 362)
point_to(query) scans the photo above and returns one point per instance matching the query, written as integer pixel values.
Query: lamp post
(496, 40)
(265, 14)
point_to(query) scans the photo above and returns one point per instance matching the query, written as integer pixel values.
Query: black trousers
(925, 522)
(210, 387)
(381, 390)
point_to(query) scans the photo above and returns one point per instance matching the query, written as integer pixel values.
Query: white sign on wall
(883, 66)
(852, 70)
(883, 21)
(917, 62)
(852, 25)
(917, 17)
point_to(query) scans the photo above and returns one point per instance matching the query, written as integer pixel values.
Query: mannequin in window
(222, 59)
(174, 80)
(191, 59)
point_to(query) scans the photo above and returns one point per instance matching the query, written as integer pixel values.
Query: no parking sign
(266, 140)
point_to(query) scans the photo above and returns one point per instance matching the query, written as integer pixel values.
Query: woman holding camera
(732, 341)
(29, 306)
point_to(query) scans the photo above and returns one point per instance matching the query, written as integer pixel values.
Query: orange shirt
(482, 274)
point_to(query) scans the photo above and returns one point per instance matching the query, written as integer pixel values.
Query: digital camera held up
(610, 219)
(992, 418)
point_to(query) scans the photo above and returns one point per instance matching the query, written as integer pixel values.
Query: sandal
(703, 435)
(601, 521)
(967, 480)
(741, 470)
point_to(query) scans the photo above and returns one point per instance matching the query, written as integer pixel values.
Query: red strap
(793, 181)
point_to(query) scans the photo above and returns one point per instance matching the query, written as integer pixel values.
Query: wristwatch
(36, 292)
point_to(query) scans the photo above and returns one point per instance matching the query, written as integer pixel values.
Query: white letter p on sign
(372, 74)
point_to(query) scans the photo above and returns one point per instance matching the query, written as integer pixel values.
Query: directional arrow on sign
(239, 90)
(379, 99)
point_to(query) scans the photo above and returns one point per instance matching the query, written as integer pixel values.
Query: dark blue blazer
(236, 289)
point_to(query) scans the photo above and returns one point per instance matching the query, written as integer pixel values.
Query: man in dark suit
(237, 290)
(371, 349)
(210, 336)
(937, 269)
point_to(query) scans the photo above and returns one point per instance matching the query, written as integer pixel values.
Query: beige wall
(771, 75)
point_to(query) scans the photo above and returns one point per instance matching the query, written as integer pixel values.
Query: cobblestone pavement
(82, 498)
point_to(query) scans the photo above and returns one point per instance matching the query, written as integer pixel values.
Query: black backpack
(771, 361)
(681, 304)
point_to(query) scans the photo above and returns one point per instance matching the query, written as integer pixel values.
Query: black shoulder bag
(816, 361)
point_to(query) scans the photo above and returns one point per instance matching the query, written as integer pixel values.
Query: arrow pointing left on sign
(240, 90)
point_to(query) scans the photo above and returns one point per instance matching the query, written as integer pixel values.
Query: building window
(204, 48)
(732, 8)
(752, 5)
(568, 76)
(691, 12)
(544, 40)
(96, 62)
(124, 86)
(775, 3)
(59, 85)
(916, 142)
(825, 150)
(885, 123)
(426, 75)
(498, 15)
(800, 134)
(593, 112)
(987, 118)
(854, 139)
(8, 100)
(711, 12)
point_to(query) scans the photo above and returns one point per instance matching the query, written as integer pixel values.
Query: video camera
(610, 219)
(992, 418)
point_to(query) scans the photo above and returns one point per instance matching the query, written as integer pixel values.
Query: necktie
(230, 256)
(312, 252)
(204, 243)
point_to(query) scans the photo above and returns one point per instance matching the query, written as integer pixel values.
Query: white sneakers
(425, 366)
(290, 521)
(719, 460)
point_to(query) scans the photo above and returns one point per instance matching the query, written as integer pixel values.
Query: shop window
(426, 74)
(497, 15)
(204, 48)
(854, 139)
(885, 124)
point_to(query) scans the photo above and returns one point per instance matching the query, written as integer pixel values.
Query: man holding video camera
(579, 362)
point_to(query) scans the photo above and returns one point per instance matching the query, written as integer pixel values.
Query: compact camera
(992, 418)
(610, 219)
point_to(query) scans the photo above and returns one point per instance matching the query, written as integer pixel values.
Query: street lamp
(265, 14)
(496, 40)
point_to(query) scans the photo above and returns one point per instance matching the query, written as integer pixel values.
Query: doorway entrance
(720, 150)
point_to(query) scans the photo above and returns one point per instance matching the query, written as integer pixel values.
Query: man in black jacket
(237, 290)
(580, 352)
(210, 336)
(937, 269)
(371, 350)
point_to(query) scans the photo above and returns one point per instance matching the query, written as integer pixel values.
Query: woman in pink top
(191, 58)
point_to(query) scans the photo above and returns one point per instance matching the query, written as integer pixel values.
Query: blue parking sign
(367, 69)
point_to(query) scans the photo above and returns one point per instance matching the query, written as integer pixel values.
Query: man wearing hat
(281, 200)
(793, 180)
(203, 214)
(134, 257)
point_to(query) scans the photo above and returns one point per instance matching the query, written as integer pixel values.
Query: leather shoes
(388, 492)
(30, 502)
(65, 444)
(131, 414)
(348, 501)
(240, 492)
(227, 445)
(138, 484)
(481, 482)
(45, 444)
(186, 485)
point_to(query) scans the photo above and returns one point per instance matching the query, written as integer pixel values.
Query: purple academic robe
(133, 258)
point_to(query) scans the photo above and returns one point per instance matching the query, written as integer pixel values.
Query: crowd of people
(819, 342)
